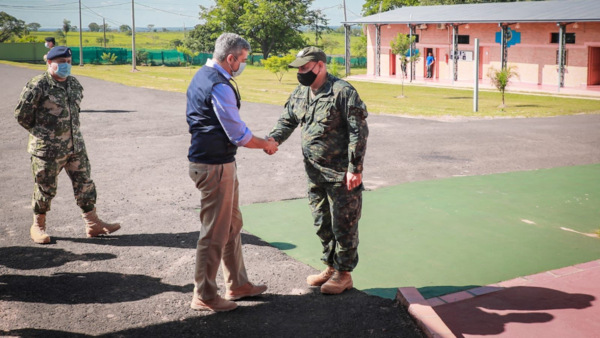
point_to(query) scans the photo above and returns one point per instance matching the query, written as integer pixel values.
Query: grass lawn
(258, 85)
(143, 40)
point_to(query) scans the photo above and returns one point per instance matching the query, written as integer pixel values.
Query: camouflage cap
(59, 52)
(307, 55)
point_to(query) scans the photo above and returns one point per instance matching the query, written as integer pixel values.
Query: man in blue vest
(217, 131)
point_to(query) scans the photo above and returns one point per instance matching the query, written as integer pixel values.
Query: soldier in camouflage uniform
(49, 110)
(334, 141)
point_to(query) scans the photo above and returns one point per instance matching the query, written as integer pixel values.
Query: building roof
(522, 11)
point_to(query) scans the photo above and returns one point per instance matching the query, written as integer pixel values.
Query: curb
(421, 309)
(519, 281)
(423, 314)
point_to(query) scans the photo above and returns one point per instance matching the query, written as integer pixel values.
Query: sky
(161, 13)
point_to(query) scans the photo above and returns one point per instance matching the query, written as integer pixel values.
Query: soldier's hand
(271, 147)
(353, 180)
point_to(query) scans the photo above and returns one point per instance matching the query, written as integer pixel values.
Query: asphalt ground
(138, 282)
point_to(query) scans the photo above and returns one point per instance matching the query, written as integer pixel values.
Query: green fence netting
(34, 52)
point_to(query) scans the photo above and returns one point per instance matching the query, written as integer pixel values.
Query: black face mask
(306, 79)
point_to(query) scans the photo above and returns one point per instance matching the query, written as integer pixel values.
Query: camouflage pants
(336, 212)
(45, 174)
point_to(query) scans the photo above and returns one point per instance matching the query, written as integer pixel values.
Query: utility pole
(80, 38)
(104, 29)
(346, 42)
(133, 69)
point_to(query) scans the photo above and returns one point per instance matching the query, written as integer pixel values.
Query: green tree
(141, 56)
(94, 27)
(372, 6)
(33, 26)
(501, 78)
(189, 55)
(278, 65)
(271, 26)
(66, 27)
(201, 38)
(359, 48)
(9, 26)
(330, 44)
(101, 40)
(60, 37)
(124, 28)
(175, 43)
(401, 46)
(318, 22)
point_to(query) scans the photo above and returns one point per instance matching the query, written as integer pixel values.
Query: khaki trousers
(220, 238)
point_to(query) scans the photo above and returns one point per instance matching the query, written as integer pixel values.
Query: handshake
(270, 146)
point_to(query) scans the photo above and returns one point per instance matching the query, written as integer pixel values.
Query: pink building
(532, 31)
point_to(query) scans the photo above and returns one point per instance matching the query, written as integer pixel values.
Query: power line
(162, 10)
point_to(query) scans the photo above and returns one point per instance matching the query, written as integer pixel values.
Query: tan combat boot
(320, 279)
(94, 226)
(38, 229)
(338, 283)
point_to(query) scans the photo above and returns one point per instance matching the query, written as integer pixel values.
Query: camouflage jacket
(51, 115)
(334, 129)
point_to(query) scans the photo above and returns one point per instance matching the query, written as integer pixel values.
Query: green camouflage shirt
(51, 115)
(334, 129)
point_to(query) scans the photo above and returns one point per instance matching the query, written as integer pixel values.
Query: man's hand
(353, 180)
(271, 147)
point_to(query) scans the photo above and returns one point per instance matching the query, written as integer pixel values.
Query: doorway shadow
(84, 288)
(35, 257)
(489, 314)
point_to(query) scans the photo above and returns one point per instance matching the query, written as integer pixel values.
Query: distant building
(532, 33)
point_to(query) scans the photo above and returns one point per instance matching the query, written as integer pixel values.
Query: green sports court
(452, 234)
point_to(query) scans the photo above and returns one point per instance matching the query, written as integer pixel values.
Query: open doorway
(426, 52)
(594, 66)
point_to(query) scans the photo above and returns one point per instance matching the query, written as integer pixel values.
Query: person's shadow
(477, 316)
(84, 288)
(31, 258)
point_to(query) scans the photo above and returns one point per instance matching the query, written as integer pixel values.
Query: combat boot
(94, 226)
(38, 229)
(338, 283)
(320, 279)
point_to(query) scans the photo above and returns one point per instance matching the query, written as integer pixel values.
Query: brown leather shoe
(246, 290)
(216, 304)
(320, 279)
(338, 283)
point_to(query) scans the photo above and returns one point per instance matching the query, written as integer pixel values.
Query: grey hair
(229, 43)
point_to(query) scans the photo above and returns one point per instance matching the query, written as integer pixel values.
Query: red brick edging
(519, 281)
(424, 315)
(432, 325)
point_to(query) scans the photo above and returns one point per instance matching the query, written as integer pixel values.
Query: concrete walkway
(543, 305)
(484, 84)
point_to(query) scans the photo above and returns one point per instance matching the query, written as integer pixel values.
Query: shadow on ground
(83, 288)
(31, 258)
(309, 315)
(184, 240)
(113, 111)
(484, 315)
